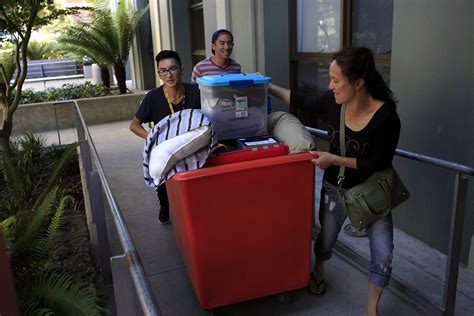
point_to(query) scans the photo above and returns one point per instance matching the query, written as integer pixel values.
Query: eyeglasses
(173, 69)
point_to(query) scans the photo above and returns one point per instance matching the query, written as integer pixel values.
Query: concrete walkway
(121, 154)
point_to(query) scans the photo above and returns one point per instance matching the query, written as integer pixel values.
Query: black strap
(342, 143)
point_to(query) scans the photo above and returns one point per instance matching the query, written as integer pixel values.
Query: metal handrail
(413, 156)
(141, 282)
(455, 237)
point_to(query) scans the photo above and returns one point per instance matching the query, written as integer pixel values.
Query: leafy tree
(18, 18)
(108, 38)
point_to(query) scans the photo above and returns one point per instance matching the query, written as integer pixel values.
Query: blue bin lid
(232, 79)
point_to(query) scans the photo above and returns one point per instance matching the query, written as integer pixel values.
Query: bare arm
(324, 160)
(280, 92)
(137, 128)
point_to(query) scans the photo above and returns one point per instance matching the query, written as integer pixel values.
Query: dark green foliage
(68, 91)
(63, 295)
(23, 173)
(31, 221)
(31, 236)
(19, 174)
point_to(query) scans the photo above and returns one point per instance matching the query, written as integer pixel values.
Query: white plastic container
(236, 104)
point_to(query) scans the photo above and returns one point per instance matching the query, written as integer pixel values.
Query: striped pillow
(179, 142)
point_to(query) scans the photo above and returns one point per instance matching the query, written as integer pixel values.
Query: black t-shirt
(154, 106)
(373, 146)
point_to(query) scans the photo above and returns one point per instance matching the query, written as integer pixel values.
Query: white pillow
(289, 129)
(168, 153)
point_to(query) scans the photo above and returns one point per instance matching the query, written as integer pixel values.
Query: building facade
(424, 49)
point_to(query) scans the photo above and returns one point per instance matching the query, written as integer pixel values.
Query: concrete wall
(145, 45)
(433, 78)
(161, 30)
(155, 33)
(40, 117)
(277, 43)
(182, 36)
(210, 20)
(243, 27)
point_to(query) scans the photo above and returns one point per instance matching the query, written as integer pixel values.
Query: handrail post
(455, 240)
(98, 215)
(56, 120)
(124, 291)
(86, 162)
(84, 147)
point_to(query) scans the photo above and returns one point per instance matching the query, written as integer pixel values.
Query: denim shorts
(380, 234)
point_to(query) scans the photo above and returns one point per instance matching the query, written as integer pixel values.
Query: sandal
(313, 283)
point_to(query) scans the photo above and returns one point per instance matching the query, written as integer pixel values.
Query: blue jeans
(380, 234)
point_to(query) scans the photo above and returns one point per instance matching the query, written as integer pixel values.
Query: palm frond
(46, 244)
(28, 241)
(86, 38)
(38, 49)
(105, 27)
(28, 307)
(30, 147)
(65, 296)
(8, 227)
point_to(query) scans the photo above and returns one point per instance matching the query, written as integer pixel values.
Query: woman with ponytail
(372, 129)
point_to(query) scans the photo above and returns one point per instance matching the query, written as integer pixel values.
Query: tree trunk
(104, 75)
(121, 77)
(5, 132)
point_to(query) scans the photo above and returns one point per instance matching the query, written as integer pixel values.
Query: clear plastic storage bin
(236, 104)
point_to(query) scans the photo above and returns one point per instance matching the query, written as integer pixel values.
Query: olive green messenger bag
(364, 203)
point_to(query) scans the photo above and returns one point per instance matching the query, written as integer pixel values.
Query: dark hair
(358, 63)
(166, 54)
(216, 34)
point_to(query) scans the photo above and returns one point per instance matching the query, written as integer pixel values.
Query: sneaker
(164, 216)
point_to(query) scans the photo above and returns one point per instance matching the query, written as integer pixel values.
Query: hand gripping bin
(244, 229)
(236, 104)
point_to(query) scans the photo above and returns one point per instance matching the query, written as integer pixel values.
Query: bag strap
(342, 143)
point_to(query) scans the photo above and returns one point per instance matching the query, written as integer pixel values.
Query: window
(321, 27)
(318, 26)
(198, 46)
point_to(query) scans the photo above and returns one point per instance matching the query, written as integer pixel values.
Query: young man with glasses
(220, 61)
(172, 96)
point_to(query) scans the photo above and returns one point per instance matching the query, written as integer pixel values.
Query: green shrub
(67, 91)
(33, 200)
